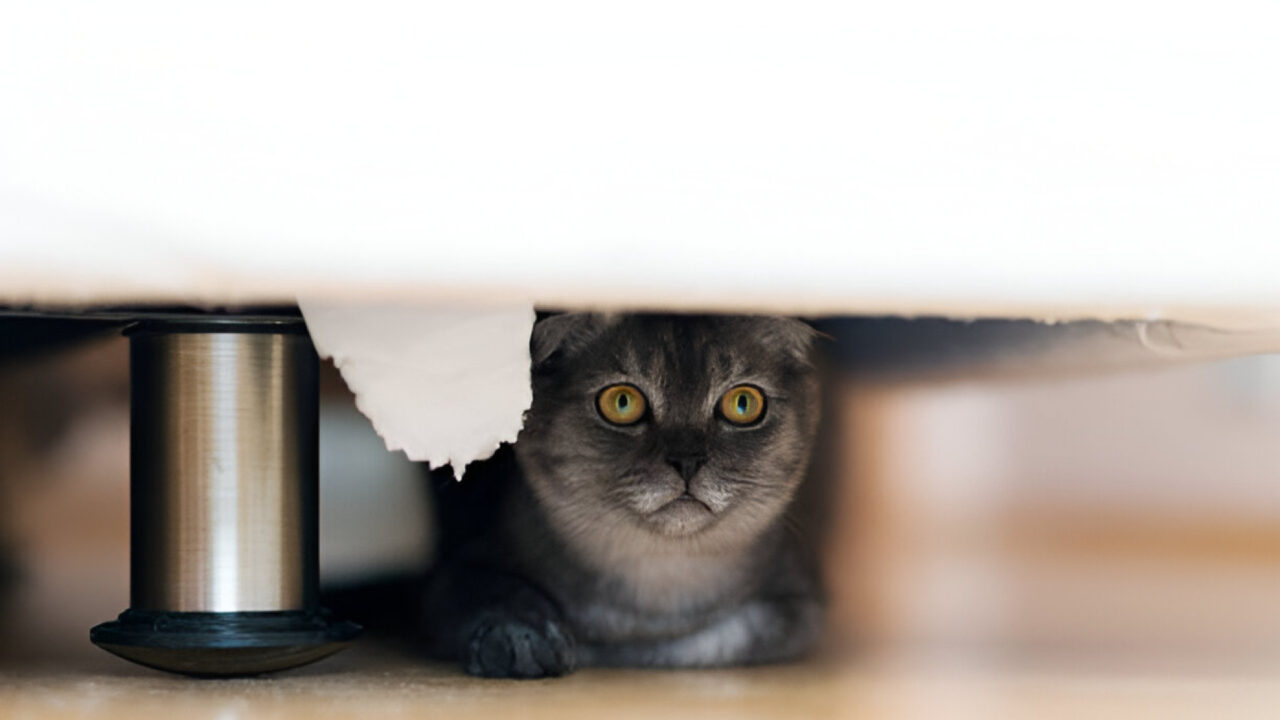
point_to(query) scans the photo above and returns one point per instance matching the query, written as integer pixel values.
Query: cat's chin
(683, 517)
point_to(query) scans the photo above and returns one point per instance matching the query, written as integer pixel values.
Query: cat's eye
(742, 405)
(621, 404)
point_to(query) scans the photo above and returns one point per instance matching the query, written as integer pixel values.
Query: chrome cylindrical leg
(224, 559)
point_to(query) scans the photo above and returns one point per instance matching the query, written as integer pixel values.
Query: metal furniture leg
(224, 566)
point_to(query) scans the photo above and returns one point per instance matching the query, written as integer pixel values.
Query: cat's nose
(686, 465)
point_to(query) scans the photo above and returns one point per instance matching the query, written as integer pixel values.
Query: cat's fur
(584, 545)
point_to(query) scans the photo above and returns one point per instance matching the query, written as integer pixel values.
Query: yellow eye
(621, 404)
(742, 405)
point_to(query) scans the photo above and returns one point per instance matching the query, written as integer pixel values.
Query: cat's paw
(511, 648)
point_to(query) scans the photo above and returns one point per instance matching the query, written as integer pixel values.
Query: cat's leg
(764, 630)
(497, 625)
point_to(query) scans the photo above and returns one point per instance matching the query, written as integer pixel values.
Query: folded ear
(795, 337)
(564, 333)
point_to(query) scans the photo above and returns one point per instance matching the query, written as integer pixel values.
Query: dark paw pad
(511, 648)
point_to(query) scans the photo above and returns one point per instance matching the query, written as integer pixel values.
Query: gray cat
(649, 513)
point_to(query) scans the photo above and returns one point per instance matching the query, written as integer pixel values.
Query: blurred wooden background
(1107, 522)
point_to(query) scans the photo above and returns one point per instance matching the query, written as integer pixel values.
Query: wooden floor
(369, 681)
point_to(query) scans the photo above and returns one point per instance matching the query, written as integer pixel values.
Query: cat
(649, 513)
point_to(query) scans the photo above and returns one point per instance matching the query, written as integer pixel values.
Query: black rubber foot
(208, 644)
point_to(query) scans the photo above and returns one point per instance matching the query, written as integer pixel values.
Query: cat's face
(673, 426)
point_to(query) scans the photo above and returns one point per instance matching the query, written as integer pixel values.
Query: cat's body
(670, 537)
